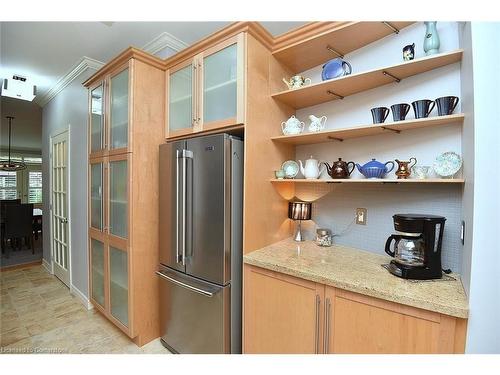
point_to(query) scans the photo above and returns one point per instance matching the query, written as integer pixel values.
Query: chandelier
(9, 165)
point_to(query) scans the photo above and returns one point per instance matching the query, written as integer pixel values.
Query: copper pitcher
(339, 169)
(404, 168)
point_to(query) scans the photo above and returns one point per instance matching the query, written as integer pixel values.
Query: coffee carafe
(417, 246)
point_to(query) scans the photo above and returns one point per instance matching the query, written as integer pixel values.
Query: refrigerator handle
(190, 287)
(177, 206)
(185, 155)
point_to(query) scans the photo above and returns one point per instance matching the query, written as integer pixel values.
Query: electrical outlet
(361, 216)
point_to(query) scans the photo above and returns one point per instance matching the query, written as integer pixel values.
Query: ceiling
(46, 51)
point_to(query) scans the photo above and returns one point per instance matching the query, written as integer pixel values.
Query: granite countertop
(360, 272)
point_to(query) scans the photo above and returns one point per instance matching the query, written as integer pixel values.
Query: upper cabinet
(206, 91)
(97, 118)
(118, 120)
(109, 113)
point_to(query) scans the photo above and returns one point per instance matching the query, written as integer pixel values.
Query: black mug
(399, 111)
(446, 105)
(423, 107)
(379, 114)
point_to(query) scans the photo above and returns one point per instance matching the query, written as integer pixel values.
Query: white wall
(336, 210)
(69, 108)
(484, 296)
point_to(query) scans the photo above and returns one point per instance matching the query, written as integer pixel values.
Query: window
(8, 185)
(34, 187)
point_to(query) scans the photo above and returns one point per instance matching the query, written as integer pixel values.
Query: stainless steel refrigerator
(201, 201)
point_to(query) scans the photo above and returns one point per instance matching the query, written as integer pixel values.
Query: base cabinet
(285, 314)
(282, 314)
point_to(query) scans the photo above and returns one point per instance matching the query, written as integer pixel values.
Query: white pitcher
(312, 169)
(317, 124)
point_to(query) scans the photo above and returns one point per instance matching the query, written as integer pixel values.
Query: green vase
(431, 40)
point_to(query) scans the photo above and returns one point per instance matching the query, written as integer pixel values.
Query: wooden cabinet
(359, 324)
(126, 126)
(109, 103)
(206, 92)
(285, 314)
(282, 314)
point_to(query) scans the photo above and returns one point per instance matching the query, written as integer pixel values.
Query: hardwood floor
(39, 315)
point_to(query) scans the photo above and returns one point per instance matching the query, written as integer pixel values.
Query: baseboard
(83, 299)
(22, 265)
(47, 266)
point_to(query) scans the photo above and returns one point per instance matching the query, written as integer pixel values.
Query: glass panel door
(97, 255)
(118, 214)
(119, 110)
(118, 287)
(96, 196)
(180, 113)
(220, 80)
(96, 119)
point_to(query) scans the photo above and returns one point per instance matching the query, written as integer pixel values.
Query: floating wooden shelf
(339, 88)
(374, 180)
(315, 43)
(367, 130)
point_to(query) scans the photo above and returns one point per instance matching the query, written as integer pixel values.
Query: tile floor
(39, 315)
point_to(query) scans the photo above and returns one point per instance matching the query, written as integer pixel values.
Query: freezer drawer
(194, 314)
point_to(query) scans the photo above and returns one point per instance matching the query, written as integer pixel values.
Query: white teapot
(317, 124)
(312, 169)
(292, 126)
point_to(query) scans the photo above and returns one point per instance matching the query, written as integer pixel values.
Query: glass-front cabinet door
(222, 84)
(119, 105)
(97, 119)
(118, 196)
(96, 196)
(97, 271)
(181, 103)
(118, 284)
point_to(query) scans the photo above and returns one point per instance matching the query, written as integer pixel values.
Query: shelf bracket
(335, 139)
(392, 130)
(394, 29)
(390, 75)
(332, 93)
(331, 49)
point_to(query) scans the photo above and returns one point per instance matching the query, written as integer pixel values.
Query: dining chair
(19, 225)
(3, 204)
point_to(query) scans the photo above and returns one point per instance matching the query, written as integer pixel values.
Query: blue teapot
(335, 68)
(374, 169)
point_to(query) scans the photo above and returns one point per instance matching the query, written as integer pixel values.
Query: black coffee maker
(417, 247)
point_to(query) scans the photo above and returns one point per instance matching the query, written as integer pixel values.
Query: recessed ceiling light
(19, 87)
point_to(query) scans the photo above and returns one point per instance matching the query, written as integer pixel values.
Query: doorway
(59, 207)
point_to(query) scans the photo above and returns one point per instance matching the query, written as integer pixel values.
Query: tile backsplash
(336, 204)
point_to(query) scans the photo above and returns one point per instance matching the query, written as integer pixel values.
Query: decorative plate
(291, 168)
(447, 164)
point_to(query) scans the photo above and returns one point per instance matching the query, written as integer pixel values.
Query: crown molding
(84, 64)
(162, 41)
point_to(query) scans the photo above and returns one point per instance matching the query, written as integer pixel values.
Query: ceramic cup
(446, 105)
(399, 111)
(409, 52)
(423, 107)
(420, 171)
(280, 174)
(379, 114)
